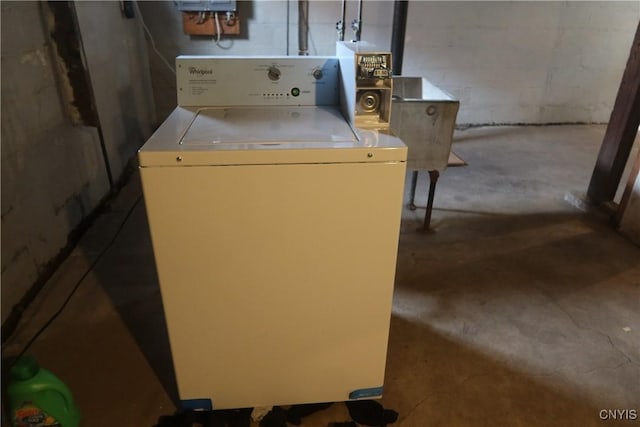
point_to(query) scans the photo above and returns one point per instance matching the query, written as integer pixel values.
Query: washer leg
(414, 184)
(433, 178)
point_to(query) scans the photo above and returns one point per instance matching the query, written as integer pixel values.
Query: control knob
(274, 73)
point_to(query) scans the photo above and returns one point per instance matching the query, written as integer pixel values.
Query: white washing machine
(275, 227)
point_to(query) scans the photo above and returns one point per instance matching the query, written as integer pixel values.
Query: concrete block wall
(117, 61)
(523, 62)
(507, 62)
(53, 173)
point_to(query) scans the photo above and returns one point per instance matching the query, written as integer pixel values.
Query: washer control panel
(237, 81)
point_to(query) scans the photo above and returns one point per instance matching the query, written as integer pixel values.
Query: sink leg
(414, 183)
(433, 180)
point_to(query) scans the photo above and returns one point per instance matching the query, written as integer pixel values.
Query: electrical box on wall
(209, 18)
(206, 5)
(208, 23)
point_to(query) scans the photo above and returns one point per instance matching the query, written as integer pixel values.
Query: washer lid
(299, 125)
(266, 135)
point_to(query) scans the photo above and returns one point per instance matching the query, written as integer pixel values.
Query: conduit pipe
(398, 31)
(303, 27)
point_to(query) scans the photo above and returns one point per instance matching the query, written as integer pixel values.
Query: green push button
(295, 91)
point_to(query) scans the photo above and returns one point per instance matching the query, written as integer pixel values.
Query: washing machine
(274, 220)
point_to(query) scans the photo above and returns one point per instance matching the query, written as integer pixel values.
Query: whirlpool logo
(200, 71)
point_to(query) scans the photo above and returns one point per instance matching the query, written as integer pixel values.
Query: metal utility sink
(424, 117)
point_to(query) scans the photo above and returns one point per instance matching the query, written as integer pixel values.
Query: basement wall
(53, 171)
(507, 62)
(118, 63)
(523, 62)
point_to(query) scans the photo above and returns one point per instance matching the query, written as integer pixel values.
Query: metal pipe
(288, 22)
(412, 197)
(433, 180)
(303, 27)
(357, 23)
(398, 32)
(341, 24)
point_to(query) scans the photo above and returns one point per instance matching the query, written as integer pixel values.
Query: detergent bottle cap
(26, 367)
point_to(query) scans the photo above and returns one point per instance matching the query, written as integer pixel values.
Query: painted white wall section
(523, 62)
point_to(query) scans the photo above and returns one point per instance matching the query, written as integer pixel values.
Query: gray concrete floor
(519, 308)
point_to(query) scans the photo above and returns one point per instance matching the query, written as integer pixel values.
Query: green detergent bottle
(37, 398)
